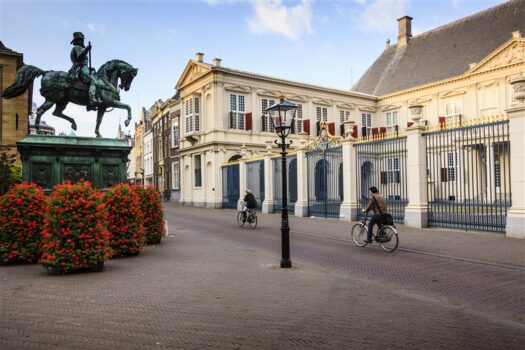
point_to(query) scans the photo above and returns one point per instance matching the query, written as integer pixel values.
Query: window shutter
(384, 177)
(342, 130)
(442, 122)
(248, 125)
(409, 124)
(306, 126)
(363, 130)
(354, 131)
(264, 119)
(382, 130)
(293, 126)
(331, 128)
(231, 119)
(444, 175)
(375, 131)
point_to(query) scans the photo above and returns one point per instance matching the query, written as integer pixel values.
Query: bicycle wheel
(391, 242)
(359, 233)
(240, 222)
(253, 221)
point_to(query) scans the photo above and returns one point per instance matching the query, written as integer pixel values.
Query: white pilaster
(349, 207)
(516, 214)
(242, 183)
(301, 206)
(416, 212)
(267, 205)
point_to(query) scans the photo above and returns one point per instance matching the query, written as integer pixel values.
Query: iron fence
(325, 182)
(291, 161)
(382, 164)
(468, 177)
(230, 186)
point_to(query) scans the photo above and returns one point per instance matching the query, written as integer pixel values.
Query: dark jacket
(250, 201)
(379, 200)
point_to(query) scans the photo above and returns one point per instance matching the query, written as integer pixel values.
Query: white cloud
(271, 16)
(97, 28)
(215, 3)
(382, 15)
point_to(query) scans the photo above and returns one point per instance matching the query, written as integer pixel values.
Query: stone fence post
(301, 205)
(416, 212)
(268, 203)
(516, 215)
(349, 207)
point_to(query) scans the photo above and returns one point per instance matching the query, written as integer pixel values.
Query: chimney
(199, 56)
(405, 31)
(217, 62)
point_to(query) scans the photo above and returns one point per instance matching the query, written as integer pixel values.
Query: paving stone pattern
(216, 286)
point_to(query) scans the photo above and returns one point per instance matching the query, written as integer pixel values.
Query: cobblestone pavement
(212, 285)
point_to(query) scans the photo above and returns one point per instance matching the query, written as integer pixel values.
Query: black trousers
(376, 219)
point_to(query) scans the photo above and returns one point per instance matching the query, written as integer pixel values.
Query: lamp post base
(286, 264)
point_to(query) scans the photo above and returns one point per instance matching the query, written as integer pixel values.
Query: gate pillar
(416, 212)
(242, 182)
(301, 206)
(516, 215)
(349, 207)
(267, 205)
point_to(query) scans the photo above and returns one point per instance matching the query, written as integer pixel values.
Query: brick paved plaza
(212, 285)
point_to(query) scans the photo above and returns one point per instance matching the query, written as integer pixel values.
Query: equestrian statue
(82, 85)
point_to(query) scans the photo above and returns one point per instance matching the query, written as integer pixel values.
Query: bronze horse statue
(57, 88)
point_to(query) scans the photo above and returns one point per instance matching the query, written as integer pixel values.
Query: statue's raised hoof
(74, 126)
(98, 134)
(126, 122)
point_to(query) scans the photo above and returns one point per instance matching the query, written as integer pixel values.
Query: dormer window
(192, 114)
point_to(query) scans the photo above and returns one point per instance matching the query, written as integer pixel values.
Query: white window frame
(321, 113)
(175, 136)
(488, 101)
(393, 171)
(192, 114)
(344, 115)
(299, 118)
(453, 108)
(267, 103)
(175, 174)
(391, 120)
(237, 114)
(452, 161)
(195, 170)
(366, 121)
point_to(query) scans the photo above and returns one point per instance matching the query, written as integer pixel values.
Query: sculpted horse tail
(24, 78)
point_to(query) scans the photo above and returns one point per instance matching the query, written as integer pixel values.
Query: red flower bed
(22, 211)
(75, 234)
(152, 213)
(125, 222)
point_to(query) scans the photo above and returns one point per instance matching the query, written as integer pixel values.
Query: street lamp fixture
(282, 116)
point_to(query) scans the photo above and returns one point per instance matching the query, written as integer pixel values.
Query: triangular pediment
(510, 53)
(294, 97)
(193, 71)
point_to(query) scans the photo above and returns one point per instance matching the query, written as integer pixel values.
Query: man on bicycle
(249, 203)
(378, 204)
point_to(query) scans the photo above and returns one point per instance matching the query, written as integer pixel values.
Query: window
(175, 168)
(489, 102)
(237, 110)
(266, 122)
(192, 114)
(391, 121)
(344, 116)
(322, 114)
(453, 110)
(452, 162)
(394, 175)
(175, 130)
(197, 168)
(299, 118)
(366, 123)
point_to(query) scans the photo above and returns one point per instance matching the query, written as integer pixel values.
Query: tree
(9, 170)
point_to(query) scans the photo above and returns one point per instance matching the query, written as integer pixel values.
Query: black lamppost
(282, 117)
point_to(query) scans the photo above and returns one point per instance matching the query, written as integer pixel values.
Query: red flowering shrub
(152, 214)
(125, 222)
(22, 211)
(75, 234)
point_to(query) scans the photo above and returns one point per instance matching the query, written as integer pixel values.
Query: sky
(323, 42)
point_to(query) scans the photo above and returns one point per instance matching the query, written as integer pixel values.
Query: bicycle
(251, 218)
(388, 240)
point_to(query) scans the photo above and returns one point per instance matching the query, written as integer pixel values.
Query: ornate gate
(325, 175)
(255, 180)
(291, 161)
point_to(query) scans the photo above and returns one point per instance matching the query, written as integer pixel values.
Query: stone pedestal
(50, 160)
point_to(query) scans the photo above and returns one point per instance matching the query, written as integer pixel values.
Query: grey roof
(443, 52)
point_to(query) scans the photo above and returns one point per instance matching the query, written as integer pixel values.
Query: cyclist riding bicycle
(378, 204)
(249, 203)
